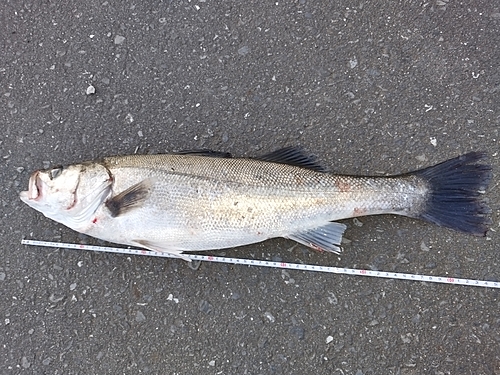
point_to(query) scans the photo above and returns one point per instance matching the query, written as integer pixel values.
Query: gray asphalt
(368, 87)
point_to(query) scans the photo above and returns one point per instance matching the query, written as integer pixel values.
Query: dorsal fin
(205, 152)
(293, 155)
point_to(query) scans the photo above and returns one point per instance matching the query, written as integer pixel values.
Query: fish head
(69, 195)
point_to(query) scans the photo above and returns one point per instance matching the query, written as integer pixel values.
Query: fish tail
(455, 189)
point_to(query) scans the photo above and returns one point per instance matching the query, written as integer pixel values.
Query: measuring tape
(265, 263)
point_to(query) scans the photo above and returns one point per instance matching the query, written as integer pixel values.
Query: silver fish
(205, 200)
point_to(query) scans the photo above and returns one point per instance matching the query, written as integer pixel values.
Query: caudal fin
(455, 198)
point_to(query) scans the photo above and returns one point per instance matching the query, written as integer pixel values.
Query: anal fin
(325, 238)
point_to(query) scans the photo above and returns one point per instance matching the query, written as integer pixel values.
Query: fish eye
(55, 172)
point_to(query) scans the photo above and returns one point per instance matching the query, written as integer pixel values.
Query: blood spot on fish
(343, 186)
(72, 204)
(316, 247)
(94, 221)
(358, 211)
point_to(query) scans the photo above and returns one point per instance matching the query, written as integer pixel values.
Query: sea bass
(204, 200)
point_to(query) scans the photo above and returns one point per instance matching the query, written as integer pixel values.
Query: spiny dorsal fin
(293, 156)
(205, 152)
(129, 199)
(325, 238)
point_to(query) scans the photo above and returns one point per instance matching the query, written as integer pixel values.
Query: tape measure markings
(271, 264)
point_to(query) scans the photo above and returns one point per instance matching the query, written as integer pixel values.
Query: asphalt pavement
(373, 88)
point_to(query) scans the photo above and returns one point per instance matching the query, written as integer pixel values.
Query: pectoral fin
(161, 248)
(129, 199)
(325, 238)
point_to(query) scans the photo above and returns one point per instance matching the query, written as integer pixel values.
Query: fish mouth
(35, 187)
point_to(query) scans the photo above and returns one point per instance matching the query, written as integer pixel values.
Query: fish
(204, 200)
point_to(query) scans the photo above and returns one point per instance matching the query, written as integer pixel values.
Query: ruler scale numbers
(271, 264)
